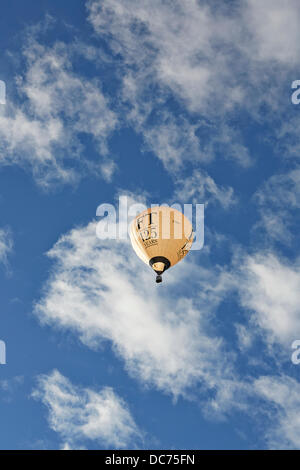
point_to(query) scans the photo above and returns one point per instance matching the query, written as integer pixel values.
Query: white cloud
(277, 201)
(208, 57)
(283, 407)
(275, 225)
(244, 335)
(178, 44)
(166, 338)
(53, 88)
(82, 414)
(184, 50)
(270, 288)
(9, 386)
(213, 58)
(275, 28)
(55, 105)
(282, 190)
(174, 141)
(6, 244)
(201, 188)
(101, 290)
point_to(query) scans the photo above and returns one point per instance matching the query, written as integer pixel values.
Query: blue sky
(163, 102)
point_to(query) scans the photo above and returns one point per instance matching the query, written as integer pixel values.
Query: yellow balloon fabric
(161, 236)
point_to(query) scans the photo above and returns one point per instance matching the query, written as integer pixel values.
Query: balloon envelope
(161, 236)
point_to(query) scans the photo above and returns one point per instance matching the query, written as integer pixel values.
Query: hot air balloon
(161, 236)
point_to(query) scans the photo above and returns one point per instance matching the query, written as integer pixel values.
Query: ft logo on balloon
(2, 92)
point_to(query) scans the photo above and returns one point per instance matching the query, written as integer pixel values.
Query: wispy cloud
(266, 18)
(9, 386)
(187, 68)
(198, 59)
(278, 201)
(201, 188)
(101, 290)
(270, 287)
(184, 51)
(282, 409)
(6, 244)
(80, 414)
(41, 129)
